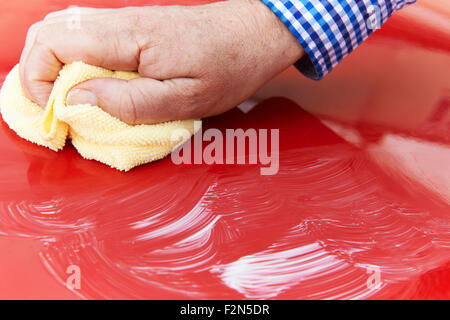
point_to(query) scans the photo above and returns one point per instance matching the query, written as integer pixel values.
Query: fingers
(37, 80)
(100, 37)
(142, 100)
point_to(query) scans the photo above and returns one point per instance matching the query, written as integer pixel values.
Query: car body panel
(359, 208)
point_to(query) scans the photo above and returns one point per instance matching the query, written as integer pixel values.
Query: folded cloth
(94, 133)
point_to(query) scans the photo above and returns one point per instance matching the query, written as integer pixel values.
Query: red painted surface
(363, 181)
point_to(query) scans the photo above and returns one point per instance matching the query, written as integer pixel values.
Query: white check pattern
(329, 30)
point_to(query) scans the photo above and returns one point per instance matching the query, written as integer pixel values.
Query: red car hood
(363, 189)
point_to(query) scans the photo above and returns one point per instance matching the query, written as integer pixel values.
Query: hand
(194, 62)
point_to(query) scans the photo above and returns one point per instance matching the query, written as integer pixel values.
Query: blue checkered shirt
(329, 30)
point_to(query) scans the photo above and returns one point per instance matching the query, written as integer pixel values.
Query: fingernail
(80, 96)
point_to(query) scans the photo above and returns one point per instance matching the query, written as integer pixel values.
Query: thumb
(138, 101)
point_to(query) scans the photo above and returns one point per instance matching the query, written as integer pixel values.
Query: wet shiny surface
(363, 182)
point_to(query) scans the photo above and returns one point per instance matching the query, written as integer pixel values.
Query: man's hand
(194, 61)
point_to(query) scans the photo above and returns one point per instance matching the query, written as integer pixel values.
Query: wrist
(277, 37)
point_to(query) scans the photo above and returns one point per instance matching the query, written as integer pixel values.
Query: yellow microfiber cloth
(94, 133)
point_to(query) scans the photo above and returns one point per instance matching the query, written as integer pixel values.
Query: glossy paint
(363, 186)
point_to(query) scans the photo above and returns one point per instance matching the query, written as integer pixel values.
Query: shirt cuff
(329, 30)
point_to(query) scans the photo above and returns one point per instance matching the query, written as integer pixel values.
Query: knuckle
(33, 30)
(38, 32)
(133, 17)
(42, 34)
(128, 108)
(152, 62)
(55, 14)
(35, 26)
(71, 10)
(27, 77)
(25, 81)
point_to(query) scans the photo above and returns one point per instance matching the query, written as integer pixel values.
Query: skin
(194, 62)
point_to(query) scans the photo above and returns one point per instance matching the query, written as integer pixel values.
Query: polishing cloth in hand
(94, 133)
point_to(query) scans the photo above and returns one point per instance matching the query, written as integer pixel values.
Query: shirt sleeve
(329, 30)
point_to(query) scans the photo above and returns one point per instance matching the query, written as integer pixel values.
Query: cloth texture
(93, 132)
